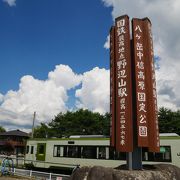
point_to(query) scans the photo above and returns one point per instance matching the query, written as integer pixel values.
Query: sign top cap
(120, 17)
(146, 18)
(143, 19)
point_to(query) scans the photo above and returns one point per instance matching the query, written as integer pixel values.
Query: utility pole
(34, 117)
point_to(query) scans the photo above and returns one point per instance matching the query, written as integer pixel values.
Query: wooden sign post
(133, 99)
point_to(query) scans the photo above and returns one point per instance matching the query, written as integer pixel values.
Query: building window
(27, 149)
(41, 149)
(112, 153)
(163, 156)
(32, 149)
(89, 152)
(73, 151)
(57, 151)
(65, 151)
(102, 152)
(120, 155)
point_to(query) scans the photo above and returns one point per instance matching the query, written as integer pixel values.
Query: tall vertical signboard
(133, 99)
(112, 87)
(146, 100)
(151, 89)
(140, 79)
(123, 100)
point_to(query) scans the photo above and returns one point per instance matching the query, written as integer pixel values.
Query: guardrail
(40, 175)
(20, 161)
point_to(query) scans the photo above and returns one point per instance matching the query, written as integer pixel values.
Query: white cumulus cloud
(10, 2)
(64, 76)
(49, 97)
(94, 93)
(46, 97)
(107, 43)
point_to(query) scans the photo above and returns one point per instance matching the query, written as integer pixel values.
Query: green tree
(85, 122)
(106, 124)
(169, 121)
(42, 131)
(80, 122)
(2, 129)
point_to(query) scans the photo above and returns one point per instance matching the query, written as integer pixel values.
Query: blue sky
(54, 55)
(37, 35)
(63, 37)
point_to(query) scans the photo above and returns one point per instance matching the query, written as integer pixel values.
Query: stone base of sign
(149, 172)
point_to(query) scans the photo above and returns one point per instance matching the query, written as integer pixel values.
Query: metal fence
(34, 174)
(40, 175)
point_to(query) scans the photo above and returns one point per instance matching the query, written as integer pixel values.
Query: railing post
(30, 173)
(50, 176)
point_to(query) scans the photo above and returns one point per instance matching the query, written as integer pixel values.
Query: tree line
(85, 122)
(80, 122)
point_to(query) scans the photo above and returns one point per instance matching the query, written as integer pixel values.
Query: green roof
(68, 139)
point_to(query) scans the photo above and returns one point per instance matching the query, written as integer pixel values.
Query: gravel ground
(13, 178)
